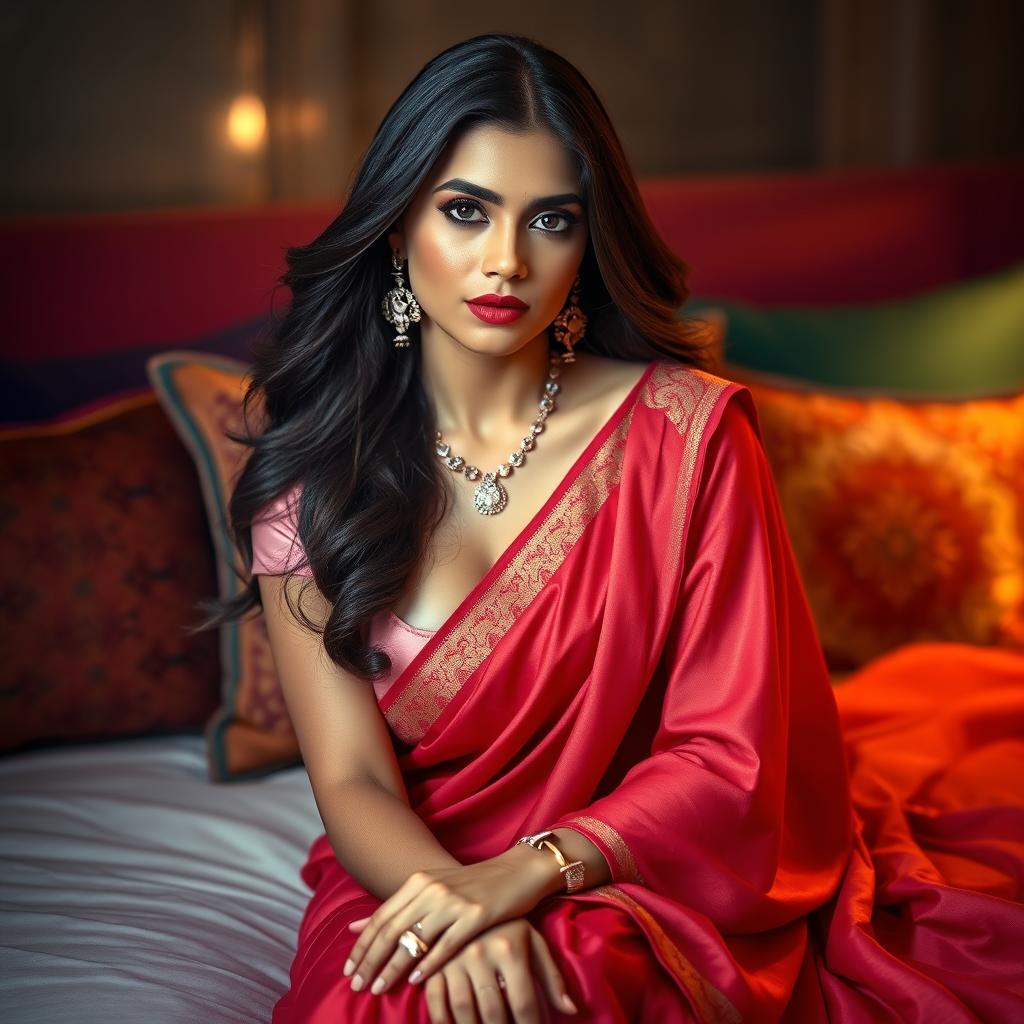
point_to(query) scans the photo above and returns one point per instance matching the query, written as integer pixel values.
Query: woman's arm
(359, 791)
(347, 751)
(347, 748)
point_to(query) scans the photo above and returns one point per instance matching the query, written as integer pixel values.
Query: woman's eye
(548, 217)
(461, 205)
(459, 211)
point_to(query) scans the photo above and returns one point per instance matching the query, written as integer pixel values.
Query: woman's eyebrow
(461, 185)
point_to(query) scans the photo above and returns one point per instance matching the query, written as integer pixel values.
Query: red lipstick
(497, 309)
(490, 299)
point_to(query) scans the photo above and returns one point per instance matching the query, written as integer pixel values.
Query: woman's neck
(483, 399)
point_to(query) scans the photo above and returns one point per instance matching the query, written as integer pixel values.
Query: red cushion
(104, 551)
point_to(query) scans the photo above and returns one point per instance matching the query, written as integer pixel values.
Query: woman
(564, 710)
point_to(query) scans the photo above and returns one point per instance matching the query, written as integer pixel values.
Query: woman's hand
(449, 906)
(507, 956)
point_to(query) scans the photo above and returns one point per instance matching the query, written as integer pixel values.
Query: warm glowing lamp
(247, 122)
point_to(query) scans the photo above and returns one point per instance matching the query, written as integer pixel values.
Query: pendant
(489, 497)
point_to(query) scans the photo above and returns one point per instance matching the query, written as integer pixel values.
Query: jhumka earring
(399, 306)
(571, 324)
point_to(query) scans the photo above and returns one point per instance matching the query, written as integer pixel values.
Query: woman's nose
(504, 253)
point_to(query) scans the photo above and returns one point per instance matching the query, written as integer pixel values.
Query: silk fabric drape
(641, 665)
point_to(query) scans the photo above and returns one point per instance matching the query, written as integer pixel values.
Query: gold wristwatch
(572, 873)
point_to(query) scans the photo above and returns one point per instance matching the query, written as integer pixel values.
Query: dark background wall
(116, 104)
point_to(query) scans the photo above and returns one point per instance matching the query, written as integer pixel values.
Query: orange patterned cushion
(251, 734)
(907, 517)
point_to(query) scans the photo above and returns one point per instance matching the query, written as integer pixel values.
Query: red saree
(641, 665)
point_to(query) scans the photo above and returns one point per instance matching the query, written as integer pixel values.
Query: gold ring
(412, 944)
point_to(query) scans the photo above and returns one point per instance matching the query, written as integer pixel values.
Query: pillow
(907, 518)
(104, 556)
(250, 735)
(960, 341)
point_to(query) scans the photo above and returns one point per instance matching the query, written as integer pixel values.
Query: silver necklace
(489, 497)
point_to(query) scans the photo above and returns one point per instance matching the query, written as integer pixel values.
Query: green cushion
(961, 340)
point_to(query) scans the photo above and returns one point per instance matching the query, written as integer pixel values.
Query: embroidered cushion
(104, 556)
(907, 517)
(250, 734)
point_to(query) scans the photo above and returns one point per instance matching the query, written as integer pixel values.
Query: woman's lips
(495, 314)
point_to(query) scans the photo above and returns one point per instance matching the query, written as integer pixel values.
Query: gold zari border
(687, 396)
(711, 1005)
(610, 837)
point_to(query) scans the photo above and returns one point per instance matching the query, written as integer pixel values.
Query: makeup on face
(497, 309)
(542, 203)
(492, 308)
(500, 233)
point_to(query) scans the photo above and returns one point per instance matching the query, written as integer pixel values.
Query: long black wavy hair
(344, 413)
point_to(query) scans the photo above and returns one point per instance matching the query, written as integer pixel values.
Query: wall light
(247, 122)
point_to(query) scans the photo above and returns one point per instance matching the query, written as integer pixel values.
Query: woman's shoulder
(275, 538)
(692, 399)
(604, 375)
(697, 401)
(284, 507)
(611, 368)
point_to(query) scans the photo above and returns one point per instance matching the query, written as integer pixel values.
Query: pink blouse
(277, 548)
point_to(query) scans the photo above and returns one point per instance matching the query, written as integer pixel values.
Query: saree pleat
(642, 665)
(928, 920)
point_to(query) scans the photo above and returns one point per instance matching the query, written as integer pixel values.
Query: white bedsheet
(132, 889)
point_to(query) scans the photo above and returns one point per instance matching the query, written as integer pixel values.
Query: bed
(134, 890)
